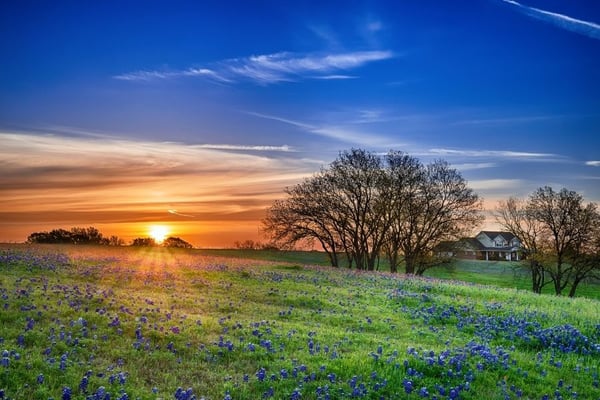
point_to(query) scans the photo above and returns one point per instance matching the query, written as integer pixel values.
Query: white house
(499, 245)
(487, 245)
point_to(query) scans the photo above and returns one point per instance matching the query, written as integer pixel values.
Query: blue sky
(195, 114)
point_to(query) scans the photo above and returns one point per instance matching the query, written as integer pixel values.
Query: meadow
(153, 323)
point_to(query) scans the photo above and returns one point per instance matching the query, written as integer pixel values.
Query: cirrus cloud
(271, 68)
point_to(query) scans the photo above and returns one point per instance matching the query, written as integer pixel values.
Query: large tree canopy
(364, 205)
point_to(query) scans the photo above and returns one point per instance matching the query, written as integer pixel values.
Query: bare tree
(364, 205)
(307, 215)
(438, 208)
(514, 217)
(357, 185)
(568, 225)
(405, 175)
(586, 260)
(559, 234)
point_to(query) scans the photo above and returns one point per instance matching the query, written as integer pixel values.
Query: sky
(196, 115)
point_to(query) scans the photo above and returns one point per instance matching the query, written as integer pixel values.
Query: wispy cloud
(507, 120)
(374, 26)
(593, 163)
(272, 68)
(281, 119)
(175, 212)
(496, 184)
(284, 148)
(330, 130)
(492, 153)
(147, 76)
(473, 166)
(332, 77)
(582, 27)
(326, 34)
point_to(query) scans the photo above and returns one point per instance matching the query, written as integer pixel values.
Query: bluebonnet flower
(296, 394)
(408, 386)
(269, 393)
(66, 393)
(181, 394)
(83, 384)
(260, 375)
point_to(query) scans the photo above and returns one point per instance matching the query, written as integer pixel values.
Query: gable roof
(493, 234)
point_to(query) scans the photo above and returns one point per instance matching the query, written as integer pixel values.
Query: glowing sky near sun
(197, 115)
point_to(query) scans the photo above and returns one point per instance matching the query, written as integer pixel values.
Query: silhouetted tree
(363, 205)
(514, 217)
(89, 235)
(147, 241)
(306, 216)
(247, 244)
(560, 235)
(438, 208)
(176, 242)
(569, 226)
(76, 235)
(115, 241)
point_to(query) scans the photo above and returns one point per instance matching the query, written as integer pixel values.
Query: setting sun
(158, 232)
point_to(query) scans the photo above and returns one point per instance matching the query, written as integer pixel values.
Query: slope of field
(126, 323)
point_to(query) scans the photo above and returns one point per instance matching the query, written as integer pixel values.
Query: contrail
(586, 28)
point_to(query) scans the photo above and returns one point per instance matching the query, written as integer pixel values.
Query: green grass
(504, 274)
(300, 257)
(215, 321)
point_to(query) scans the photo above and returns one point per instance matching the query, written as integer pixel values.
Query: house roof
(492, 234)
(472, 243)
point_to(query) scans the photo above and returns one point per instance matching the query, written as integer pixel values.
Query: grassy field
(496, 273)
(153, 323)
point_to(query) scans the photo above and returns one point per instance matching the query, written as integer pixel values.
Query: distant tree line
(365, 205)
(171, 241)
(93, 236)
(75, 235)
(250, 244)
(560, 235)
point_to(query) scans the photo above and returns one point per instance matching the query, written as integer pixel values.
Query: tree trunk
(573, 289)
(333, 258)
(393, 260)
(537, 277)
(409, 265)
(557, 280)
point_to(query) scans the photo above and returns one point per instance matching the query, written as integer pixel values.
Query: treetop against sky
(197, 115)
